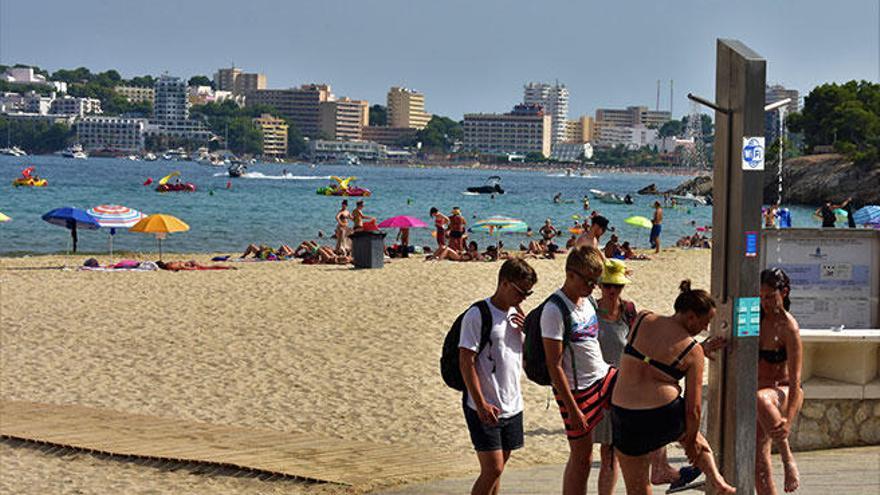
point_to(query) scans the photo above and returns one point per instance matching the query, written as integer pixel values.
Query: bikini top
(773, 356)
(669, 369)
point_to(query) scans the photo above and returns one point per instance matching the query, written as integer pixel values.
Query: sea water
(269, 207)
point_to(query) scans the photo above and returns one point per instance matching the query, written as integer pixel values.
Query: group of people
(616, 375)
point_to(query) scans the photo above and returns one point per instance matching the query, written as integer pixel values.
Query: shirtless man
(358, 217)
(441, 221)
(657, 226)
(342, 231)
(456, 230)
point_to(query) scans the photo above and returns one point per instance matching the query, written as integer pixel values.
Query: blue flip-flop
(686, 476)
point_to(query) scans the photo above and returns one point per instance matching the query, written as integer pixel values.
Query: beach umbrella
(4, 218)
(160, 225)
(867, 215)
(639, 221)
(72, 219)
(115, 217)
(402, 222)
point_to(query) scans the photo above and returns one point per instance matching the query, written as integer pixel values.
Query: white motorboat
(13, 151)
(74, 151)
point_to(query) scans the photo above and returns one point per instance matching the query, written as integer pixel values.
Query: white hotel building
(526, 129)
(111, 133)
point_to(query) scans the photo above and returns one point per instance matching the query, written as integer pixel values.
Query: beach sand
(277, 345)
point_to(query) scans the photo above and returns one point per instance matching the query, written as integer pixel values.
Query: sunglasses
(612, 286)
(524, 293)
(591, 282)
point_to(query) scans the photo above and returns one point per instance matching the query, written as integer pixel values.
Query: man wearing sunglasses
(493, 403)
(582, 380)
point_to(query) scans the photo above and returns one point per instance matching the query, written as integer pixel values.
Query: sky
(464, 55)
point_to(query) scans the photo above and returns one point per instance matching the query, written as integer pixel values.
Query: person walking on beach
(358, 217)
(647, 410)
(656, 226)
(342, 231)
(598, 227)
(780, 397)
(441, 222)
(582, 380)
(493, 403)
(456, 230)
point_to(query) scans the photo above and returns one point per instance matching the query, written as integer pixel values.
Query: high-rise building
(343, 119)
(554, 99)
(773, 94)
(406, 108)
(579, 131)
(238, 82)
(300, 105)
(274, 135)
(170, 101)
(526, 129)
(389, 136)
(611, 120)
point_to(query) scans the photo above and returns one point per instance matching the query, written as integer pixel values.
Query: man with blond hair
(582, 380)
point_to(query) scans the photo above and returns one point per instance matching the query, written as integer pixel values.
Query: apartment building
(69, 105)
(300, 105)
(526, 129)
(553, 98)
(238, 82)
(135, 94)
(773, 94)
(343, 119)
(274, 135)
(389, 136)
(631, 117)
(579, 131)
(406, 108)
(111, 133)
(170, 101)
(631, 137)
(321, 149)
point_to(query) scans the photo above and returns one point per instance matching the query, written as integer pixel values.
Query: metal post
(736, 220)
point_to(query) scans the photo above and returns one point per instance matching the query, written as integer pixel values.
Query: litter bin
(368, 249)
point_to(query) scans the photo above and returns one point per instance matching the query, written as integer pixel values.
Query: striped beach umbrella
(115, 217)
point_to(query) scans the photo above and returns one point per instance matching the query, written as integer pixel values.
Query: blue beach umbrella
(71, 218)
(867, 215)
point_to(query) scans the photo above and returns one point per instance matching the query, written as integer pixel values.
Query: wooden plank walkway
(298, 455)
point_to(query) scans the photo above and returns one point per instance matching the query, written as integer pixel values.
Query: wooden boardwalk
(303, 456)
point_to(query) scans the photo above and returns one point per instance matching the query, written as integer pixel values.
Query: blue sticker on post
(751, 244)
(747, 317)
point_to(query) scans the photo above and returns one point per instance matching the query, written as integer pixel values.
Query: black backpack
(449, 362)
(534, 359)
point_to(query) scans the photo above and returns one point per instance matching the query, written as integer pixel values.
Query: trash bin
(368, 249)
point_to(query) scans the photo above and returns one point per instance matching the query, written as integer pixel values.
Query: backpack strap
(486, 324)
(566, 330)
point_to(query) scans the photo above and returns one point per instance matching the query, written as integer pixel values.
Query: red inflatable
(182, 187)
(148, 181)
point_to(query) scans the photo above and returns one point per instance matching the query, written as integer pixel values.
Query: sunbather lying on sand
(176, 266)
(264, 252)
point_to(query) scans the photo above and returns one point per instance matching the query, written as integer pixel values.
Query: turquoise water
(266, 208)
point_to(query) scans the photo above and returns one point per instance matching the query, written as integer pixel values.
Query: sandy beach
(276, 345)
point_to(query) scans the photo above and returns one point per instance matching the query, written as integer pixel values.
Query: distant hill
(810, 180)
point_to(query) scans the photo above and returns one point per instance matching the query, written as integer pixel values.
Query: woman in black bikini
(647, 410)
(780, 397)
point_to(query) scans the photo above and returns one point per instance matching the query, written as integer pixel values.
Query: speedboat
(493, 186)
(75, 151)
(607, 197)
(13, 151)
(237, 169)
(689, 199)
(149, 157)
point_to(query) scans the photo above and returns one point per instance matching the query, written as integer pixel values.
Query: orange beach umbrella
(161, 225)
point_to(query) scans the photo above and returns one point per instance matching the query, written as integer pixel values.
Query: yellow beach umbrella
(160, 225)
(4, 218)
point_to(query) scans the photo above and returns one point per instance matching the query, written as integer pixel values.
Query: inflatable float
(342, 188)
(28, 180)
(164, 186)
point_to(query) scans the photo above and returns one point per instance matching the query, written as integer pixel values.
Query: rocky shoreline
(809, 180)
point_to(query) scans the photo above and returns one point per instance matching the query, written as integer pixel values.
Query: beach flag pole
(738, 178)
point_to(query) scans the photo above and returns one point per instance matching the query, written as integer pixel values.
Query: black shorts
(456, 234)
(507, 434)
(636, 432)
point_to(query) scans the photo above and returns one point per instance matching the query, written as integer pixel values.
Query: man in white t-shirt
(493, 404)
(582, 380)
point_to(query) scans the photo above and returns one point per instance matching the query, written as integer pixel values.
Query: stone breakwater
(833, 423)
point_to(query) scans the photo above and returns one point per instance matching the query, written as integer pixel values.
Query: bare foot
(664, 477)
(721, 486)
(792, 477)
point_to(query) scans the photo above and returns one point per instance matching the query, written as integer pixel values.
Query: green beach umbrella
(639, 221)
